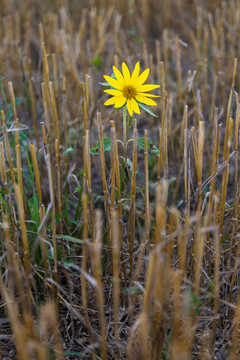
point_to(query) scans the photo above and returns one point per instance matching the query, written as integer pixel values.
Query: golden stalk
(44, 57)
(162, 72)
(59, 189)
(19, 167)
(87, 77)
(160, 307)
(165, 54)
(225, 175)
(147, 210)
(198, 155)
(198, 254)
(7, 146)
(215, 155)
(64, 104)
(174, 231)
(84, 267)
(179, 72)
(36, 172)
(235, 341)
(85, 116)
(216, 278)
(45, 105)
(87, 175)
(18, 330)
(236, 134)
(55, 77)
(43, 237)
(113, 172)
(96, 266)
(3, 168)
(182, 237)
(102, 160)
(161, 211)
(182, 138)
(54, 111)
(158, 54)
(53, 220)
(186, 174)
(180, 325)
(214, 95)
(116, 270)
(162, 142)
(21, 214)
(119, 201)
(13, 102)
(49, 327)
(132, 212)
(33, 104)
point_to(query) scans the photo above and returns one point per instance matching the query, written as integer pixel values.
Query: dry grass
(124, 253)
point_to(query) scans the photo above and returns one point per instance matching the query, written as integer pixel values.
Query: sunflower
(129, 89)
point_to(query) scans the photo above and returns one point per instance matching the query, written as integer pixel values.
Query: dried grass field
(119, 217)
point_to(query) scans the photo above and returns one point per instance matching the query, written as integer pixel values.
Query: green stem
(124, 126)
(125, 139)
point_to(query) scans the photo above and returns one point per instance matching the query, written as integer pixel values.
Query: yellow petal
(119, 76)
(142, 78)
(135, 106)
(113, 92)
(114, 83)
(126, 73)
(111, 101)
(129, 107)
(120, 102)
(148, 87)
(145, 100)
(148, 95)
(135, 73)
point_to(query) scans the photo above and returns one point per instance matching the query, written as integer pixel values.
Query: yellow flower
(129, 89)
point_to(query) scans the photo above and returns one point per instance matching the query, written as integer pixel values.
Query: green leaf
(97, 62)
(132, 290)
(104, 83)
(68, 263)
(154, 150)
(18, 101)
(69, 150)
(194, 302)
(4, 203)
(70, 238)
(98, 198)
(145, 108)
(106, 145)
(141, 142)
(35, 210)
(78, 189)
(94, 151)
(74, 222)
(29, 165)
(138, 39)
(51, 253)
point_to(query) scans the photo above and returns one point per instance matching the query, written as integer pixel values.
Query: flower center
(129, 92)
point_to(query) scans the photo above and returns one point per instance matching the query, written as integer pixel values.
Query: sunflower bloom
(129, 90)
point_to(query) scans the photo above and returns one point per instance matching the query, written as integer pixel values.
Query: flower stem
(124, 126)
(125, 139)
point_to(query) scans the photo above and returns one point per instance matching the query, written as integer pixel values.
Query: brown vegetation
(108, 252)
